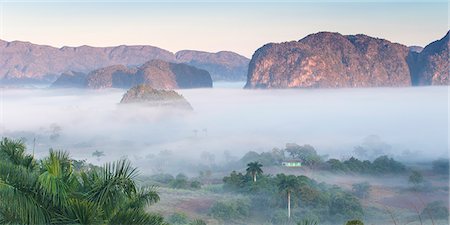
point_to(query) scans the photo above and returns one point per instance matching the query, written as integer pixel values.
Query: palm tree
(287, 184)
(254, 168)
(50, 191)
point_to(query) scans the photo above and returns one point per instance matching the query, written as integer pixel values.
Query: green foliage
(381, 165)
(271, 191)
(308, 222)
(181, 182)
(306, 153)
(197, 222)
(287, 184)
(435, 210)
(361, 190)
(384, 164)
(346, 206)
(354, 222)
(275, 157)
(14, 152)
(178, 219)
(416, 178)
(229, 210)
(278, 217)
(236, 181)
(441, 166)
(163, 178)
(254, 169)
(195, 185)
(52, 192)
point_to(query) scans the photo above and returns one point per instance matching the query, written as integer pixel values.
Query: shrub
(416, 178)
(361, 190)
(197, 222)
(384, 164)
(179, 182)
(162, 178)
(178, 219)
(435, 210)
(196, 185)
(307, 222)
(354, 222)
(278, 217)
(346, 205)
(228, 210)
(441, 166)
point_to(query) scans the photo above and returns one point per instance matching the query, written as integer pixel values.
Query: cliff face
(24, 61)
(330, 60)
(165, 75)
(224, 65)
(118, 76)
(155, 73)
(431, 65)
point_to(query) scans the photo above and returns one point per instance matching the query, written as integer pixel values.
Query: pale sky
(212, 26)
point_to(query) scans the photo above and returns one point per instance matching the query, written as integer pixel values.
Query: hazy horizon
(241, 27)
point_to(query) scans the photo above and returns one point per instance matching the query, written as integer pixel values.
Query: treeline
(381, 165)
(180, 181)
(311, 159)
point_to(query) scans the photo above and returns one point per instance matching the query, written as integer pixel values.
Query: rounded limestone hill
(144, 94)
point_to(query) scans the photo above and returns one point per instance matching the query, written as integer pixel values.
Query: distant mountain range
(320, 60)
(332, 60)
(156, 73)
(26, 62)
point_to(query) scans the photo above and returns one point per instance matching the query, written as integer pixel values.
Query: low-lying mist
(412, 123)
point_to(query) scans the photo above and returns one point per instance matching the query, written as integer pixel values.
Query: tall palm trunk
(254, 177)
(289, 204)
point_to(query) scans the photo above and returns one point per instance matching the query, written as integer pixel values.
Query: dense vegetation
(381, 165)
(310, 158)
(60, 190)
(52, 191)
(308, 198)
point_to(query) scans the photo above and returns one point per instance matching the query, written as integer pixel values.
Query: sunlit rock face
(431, 65)
(155, 73)
(20, 60)
(330, 60)
(27, 62)
(146, 95)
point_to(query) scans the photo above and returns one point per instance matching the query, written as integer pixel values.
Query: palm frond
(116, 178)
(55, 178)
(21, 206)
(143, 197)
(14, 152)
(136, 217)
(84, 212)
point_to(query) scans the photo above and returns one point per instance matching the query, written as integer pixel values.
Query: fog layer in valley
(411, 123)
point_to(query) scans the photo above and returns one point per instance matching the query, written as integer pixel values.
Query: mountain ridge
(21, 60)
(333, 60)
(156, 73)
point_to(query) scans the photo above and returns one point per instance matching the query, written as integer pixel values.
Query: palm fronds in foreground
(49, 191)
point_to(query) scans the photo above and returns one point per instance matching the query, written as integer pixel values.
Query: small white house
(292, 163)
